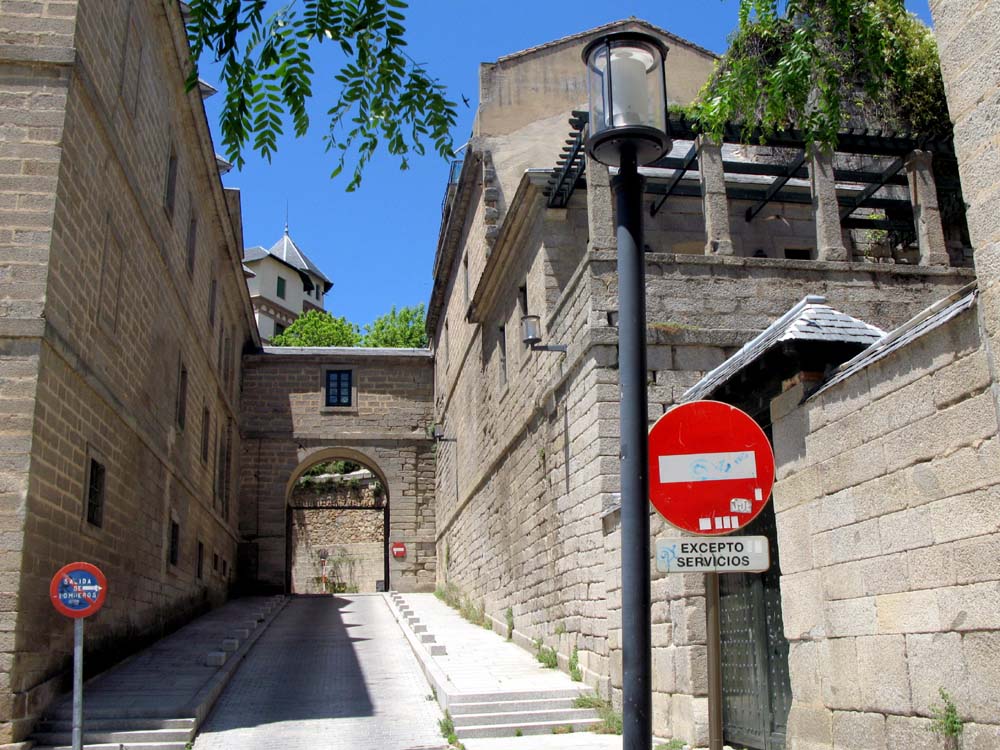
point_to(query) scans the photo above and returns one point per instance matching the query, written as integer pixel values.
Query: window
(200, 569)
(225, 568)
(278, 329)
(206, 433)
(95, 494)
(213, 291)
(281, 287)
(522, 305)
(215, 562)
(502, 349)
(445, 343)
(173, 554)
(798, 253)
(170, 186)
(182, 386)
(192, 241)
(465, 279)
(338, 387)
(223, 469)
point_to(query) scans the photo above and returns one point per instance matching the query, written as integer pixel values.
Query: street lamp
(628, 127)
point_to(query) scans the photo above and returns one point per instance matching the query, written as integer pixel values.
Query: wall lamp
(531, 333)
(438, 435)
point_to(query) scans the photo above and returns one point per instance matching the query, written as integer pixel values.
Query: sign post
(78, 590)
(711, 469)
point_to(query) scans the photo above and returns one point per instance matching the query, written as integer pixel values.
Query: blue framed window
(338, 388)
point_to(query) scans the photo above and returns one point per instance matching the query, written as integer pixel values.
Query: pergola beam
(773, 189)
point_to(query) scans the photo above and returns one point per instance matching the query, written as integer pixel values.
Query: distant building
(283, 284)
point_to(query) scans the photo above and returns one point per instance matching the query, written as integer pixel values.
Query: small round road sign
(711, 468)
(78, 589)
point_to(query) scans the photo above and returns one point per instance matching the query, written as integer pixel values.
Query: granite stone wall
(887, 485)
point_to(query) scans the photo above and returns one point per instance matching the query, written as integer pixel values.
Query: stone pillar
(826, 211)
(600, 212)
(926, 215)
(968, 38)
(715, 205)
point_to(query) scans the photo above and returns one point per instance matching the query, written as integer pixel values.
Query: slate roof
(810, 320)
(923, 322)
(289, 253)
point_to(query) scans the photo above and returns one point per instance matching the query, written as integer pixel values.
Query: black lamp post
(628, 127)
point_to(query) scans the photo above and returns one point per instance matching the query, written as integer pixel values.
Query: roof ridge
(605, 27)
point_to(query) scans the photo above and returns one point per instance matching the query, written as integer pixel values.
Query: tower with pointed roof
(283, 284)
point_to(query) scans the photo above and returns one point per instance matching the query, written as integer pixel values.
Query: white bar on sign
(708, 467)
(704, 524)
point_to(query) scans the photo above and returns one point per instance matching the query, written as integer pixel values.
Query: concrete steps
(159, 726)
(526, 712)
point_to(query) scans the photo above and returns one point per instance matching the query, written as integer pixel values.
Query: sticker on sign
(731, 554)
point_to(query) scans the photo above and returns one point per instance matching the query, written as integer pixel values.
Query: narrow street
(330, 672)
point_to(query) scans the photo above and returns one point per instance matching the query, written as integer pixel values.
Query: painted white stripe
(757, 494)
(707, 467)
(734, 522)
(704, 524)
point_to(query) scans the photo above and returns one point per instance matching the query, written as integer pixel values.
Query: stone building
(527, 482)
(124, 318)
(283, 285)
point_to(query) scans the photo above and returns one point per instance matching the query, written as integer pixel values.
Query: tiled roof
(288, 253)
(810, 320)
(923, 322)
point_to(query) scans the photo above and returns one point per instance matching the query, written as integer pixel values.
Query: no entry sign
(78, 589)
(711, 468)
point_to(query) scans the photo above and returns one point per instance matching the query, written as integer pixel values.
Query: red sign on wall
(711, 468)
(398, 549)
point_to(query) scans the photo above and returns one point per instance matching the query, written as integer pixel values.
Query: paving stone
(330, 672)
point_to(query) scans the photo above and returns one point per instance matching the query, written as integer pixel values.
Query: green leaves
(403, 328)
(383, 98)
(823, 66)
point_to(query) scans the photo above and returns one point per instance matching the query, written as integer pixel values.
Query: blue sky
(377, 244)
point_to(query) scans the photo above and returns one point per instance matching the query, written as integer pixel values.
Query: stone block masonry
(892, 593)
(287, 428)
(108, 458)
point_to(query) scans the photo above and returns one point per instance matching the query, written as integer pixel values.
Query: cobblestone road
(330, 673)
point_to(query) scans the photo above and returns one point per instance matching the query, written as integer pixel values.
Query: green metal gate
(756, 693)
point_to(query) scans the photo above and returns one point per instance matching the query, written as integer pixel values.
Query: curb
(435, 676)
(204, 700)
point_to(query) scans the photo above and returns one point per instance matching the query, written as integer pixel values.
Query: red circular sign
(78, 589)
(711, 468)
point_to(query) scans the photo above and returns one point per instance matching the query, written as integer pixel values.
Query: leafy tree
(825, 65)
(398, 328)
(382, 97)
(319, 328)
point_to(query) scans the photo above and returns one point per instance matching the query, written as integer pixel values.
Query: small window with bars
(338, 388)
(174, 553)
(95, 494)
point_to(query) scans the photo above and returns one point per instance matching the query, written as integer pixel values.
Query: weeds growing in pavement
(945, 721)
(611, 720)
(574, 666)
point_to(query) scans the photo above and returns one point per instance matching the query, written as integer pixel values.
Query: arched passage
(337, 524)
(288, 426)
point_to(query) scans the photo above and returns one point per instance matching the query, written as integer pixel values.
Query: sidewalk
(177, 678)
(479, 664)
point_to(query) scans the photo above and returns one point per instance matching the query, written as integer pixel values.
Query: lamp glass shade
(628, 97)
(531, 329)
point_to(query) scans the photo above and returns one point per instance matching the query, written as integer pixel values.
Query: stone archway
(287, 427)
(337, 525)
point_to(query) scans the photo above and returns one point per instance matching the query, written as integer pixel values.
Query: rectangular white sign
(724, 554)
(708, 467)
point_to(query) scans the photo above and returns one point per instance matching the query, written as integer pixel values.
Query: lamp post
(628, 127)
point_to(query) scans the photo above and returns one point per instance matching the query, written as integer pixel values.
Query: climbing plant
(381, 97)
(822, 66)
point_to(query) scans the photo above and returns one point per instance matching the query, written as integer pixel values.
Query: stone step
(510, 730)
(124, 725)
(121, 746)
(517, 695)
(114, 738)
(583, 716)
(545, 704)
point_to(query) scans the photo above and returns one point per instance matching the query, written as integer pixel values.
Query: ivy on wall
(823, 66)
